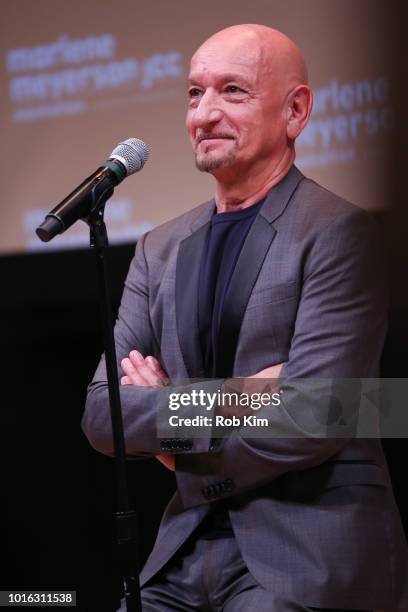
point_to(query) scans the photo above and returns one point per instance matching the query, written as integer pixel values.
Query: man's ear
(299, 108)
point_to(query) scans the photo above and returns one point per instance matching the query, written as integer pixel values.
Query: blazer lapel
(249, 264)
(246, 272)
(187, 279)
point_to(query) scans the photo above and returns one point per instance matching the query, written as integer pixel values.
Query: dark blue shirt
(225, 238)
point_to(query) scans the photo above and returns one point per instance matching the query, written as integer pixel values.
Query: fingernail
(136, 355)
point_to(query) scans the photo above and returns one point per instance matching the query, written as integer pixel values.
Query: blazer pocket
(275, 293)
(345, 474)
(311, 484)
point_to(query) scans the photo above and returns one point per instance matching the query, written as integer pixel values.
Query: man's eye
(232, 89)
(194, 92)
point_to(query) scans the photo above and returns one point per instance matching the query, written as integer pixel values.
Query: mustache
(211, 136)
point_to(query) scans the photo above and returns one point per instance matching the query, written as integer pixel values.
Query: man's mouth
(215, 137)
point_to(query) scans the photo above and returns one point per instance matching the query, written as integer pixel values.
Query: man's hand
(249, 386)
(270, 372)
(242, 384)
(142, 372)
(146, 372)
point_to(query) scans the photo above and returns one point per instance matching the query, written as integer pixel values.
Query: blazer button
(164, 445)
(214, 444)
(187, 445)
(208, 491)
(229, 484)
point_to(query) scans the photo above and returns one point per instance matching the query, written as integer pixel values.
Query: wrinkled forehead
(216, 59)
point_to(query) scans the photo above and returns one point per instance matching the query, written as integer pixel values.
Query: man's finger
(125, 380)
(270, 372)
(154, 363)
(135, 375)
(146, 371)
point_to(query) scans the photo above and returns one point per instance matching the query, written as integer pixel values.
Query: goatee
(206, 163)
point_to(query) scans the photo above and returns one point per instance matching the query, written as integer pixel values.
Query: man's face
(236, 117)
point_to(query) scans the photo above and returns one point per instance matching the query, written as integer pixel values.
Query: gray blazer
(315, 519)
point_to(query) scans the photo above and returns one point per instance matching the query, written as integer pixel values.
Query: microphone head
(132, 153)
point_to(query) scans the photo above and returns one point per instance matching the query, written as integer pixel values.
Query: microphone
(127, 158)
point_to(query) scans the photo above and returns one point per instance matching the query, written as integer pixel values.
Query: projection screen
(78, 77)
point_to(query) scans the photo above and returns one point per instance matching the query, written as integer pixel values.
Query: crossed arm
(339, 332)
(147, 372)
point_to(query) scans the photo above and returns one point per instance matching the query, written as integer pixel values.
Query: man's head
(248, 99)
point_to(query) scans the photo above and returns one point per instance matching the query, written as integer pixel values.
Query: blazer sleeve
(141, 406)
(339, 333)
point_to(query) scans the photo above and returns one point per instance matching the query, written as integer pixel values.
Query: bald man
(275, 276)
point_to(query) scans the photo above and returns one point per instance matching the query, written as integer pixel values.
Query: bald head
(277, 56)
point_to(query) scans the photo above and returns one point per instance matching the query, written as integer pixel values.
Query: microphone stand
(125, 518)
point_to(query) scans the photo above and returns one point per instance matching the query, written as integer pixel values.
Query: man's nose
(208, 111)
